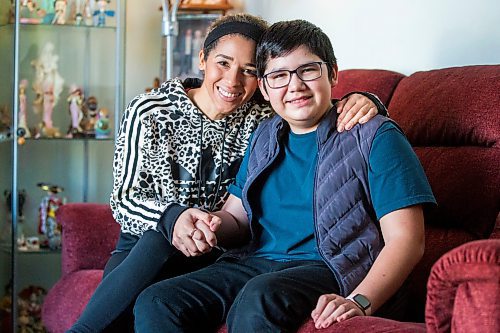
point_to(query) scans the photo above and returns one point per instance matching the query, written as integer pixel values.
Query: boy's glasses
(282, 77)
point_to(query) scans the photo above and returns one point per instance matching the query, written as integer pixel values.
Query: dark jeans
(251, 294)
(136, 264)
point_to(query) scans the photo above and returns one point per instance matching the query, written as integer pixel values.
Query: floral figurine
(102, 126)
(101, 13)
(75, 101)
(22, 123)
(48, 86)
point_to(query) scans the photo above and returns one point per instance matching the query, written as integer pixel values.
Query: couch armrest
(463, 291)
(89, 234)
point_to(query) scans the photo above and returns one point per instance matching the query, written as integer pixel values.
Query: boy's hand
(192, 233)
(354, 109)
(333, 308)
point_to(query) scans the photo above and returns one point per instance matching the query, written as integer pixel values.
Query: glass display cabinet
(61, 95)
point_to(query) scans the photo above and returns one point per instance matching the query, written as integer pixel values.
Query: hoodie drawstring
(200, 166)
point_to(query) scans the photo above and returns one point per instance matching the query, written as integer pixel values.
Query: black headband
(243, 28)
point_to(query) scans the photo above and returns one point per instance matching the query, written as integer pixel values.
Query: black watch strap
(361, 301)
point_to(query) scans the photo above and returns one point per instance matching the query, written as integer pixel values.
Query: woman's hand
(333, 308)
(194, 232)
(354, 109)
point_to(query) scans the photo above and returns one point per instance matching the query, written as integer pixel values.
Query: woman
(181, 147)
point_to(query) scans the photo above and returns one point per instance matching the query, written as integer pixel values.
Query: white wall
(401, 35)
(404, 35)
(142, 46)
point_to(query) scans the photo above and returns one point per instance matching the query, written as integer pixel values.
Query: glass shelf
(39, 251)
(69, 139)
(6, 248)
(64, 26)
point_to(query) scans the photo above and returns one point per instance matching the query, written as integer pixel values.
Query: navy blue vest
(347, 232)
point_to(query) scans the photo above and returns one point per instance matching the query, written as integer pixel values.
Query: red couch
(452, 118)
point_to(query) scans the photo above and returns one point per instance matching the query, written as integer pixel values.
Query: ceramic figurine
(22, 123)
(102, 126)
(5, 122)
(30, 12)
(78, 12)
(101, 13)
(48, 86)
(60, 12)
(75, 101)
(90, 115)
(88, 9)
(47, 223)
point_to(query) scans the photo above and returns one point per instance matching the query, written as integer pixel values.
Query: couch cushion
(379, 82)
(66, 300)
(450, 107)
(466, 184)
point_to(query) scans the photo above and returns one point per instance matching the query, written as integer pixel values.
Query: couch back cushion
(377, 81)
(452, 118)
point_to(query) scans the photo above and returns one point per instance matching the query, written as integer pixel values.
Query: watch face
(362, 301)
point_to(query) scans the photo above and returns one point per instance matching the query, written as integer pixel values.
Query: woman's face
(230, 76)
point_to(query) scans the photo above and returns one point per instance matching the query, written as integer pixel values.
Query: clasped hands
(194, 232)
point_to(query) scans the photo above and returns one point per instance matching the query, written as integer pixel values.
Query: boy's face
(300, 103)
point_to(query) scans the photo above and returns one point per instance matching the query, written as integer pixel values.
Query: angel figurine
(75, 101)
(47, 86)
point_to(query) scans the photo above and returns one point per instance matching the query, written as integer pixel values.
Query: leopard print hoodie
(168, 151)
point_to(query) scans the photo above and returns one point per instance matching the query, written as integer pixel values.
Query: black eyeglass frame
(295, 71)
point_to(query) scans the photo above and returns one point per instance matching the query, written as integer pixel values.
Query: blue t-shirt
(283, 208)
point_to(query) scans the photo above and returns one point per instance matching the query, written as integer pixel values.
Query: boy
(333, 221)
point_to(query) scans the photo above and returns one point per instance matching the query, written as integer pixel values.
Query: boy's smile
(300, 103)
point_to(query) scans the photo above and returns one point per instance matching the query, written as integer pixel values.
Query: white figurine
(88, 9)
(48, 86)
(75, 101)
(22, 108)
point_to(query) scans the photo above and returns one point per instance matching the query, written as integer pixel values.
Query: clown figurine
(47, 223)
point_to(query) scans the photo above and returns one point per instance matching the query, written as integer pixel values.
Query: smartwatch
(361, 301)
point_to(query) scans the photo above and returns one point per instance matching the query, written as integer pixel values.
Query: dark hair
(241, 17)
(284, 37)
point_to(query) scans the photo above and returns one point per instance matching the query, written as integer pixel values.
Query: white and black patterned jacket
(168, 151)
